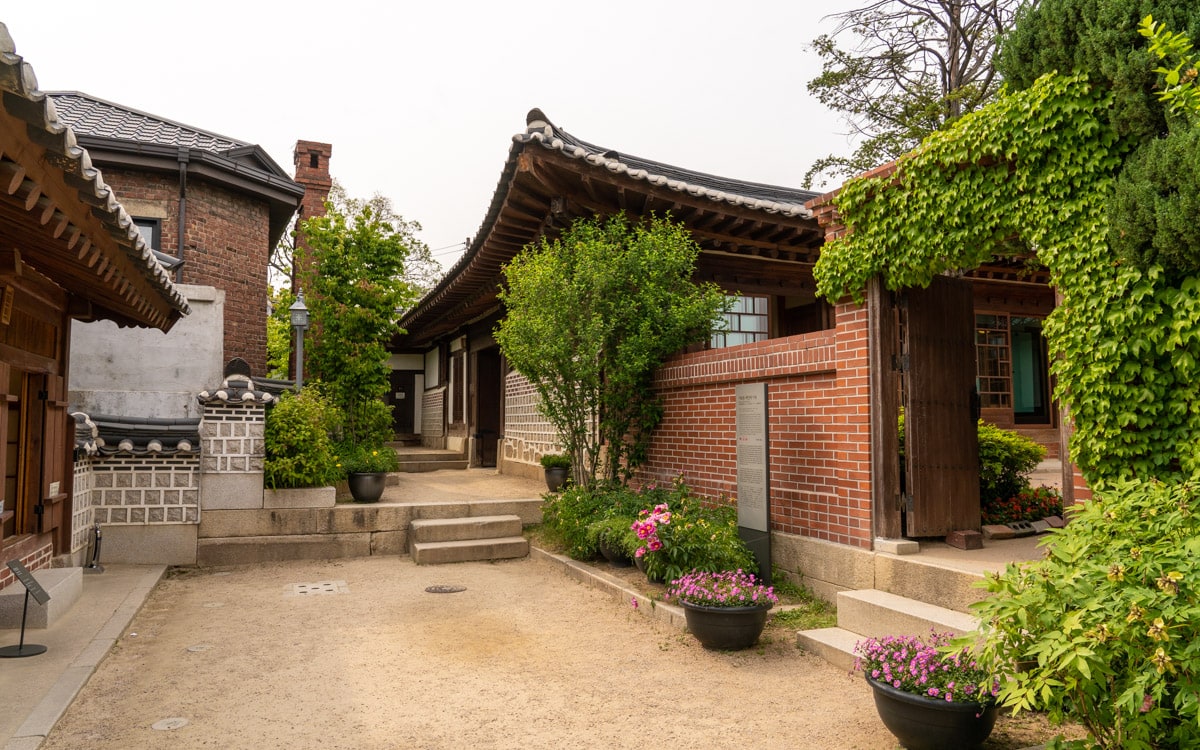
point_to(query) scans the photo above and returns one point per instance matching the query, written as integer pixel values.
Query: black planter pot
(615, 556)
(640, 562)
(367, 487)
(929, 724)
(556, 476)
(725, 628)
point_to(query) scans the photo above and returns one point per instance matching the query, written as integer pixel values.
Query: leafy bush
(570, 513)
(1107, 623)
(299, 449)
(680, 535)
(616, 533)
(363, 459)
(1028, 505)
(1005, 457)
(555, 461)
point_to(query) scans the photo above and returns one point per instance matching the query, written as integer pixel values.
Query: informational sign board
(753, 475)
(28, 581)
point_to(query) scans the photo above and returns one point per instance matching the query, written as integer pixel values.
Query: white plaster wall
(146, 373)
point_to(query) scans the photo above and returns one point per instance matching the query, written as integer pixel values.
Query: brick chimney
(312, 171)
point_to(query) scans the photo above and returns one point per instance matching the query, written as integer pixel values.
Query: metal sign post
(31, 587)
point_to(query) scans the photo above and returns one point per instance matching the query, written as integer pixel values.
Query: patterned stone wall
(145, 490)
(231, 438)
(527, 434)
(433, 413)
(83, 515)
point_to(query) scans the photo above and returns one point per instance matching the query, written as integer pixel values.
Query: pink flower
(634, 602)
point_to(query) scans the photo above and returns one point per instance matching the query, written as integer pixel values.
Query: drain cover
(168, 724)
(444, 589)
(198, 648)
(320, 587)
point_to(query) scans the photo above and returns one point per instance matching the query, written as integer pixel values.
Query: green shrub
(364, 459)
(692, 536)
(1005, 457)
(569, 515)
(299, 449)
(616, 533)
(1107, 623)
(555, 461)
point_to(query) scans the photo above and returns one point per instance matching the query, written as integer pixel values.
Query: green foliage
(1179, 91)
(1098, 38)
(1005, 457)
(1032, 504)
(362, 459)
(1156, 202)
(589, 317)
(696, 536)
(555, 461)
(615, 532)
(299, 450)
(279, 334)
(354, 294)
(1106, 626)
(570, 513)
(909, 69)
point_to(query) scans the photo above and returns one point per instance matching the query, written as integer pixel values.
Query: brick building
(835, 374)
(231, 199)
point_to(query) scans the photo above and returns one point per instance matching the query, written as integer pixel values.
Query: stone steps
(870, 613)
(430, 459)
(240, 537)
(435, 541)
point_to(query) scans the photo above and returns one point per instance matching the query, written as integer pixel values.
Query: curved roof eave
(768, 199)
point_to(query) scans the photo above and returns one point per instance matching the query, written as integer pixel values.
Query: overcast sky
(421, 100)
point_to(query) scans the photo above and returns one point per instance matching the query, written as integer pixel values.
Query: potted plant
(557, 467)
(615, 540)
(930, 697)
(366, 469)
(725, 610)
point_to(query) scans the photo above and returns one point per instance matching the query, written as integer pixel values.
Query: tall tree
(356, 286)
(589, 317)
(908, 68)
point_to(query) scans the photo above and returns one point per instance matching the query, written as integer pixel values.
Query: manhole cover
(199, 647)
(443, 589)
(320, 587)
(169, 724)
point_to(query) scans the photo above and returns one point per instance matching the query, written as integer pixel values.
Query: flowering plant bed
(729, 588)
(927, 668)
(1027, 505)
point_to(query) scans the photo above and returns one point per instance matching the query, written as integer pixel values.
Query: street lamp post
(299, 313)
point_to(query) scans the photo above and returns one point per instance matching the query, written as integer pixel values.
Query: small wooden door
(404, 399)
(941, 440)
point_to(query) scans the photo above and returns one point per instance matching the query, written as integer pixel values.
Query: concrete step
(64, 585)
(249, 550)
(435, 553)
(408, 466)
(874, 614)
(529, 510)
(913, 577)
(460, 529)
(834, 645)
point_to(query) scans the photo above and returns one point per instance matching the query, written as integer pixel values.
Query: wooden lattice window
(994, 359)
(746, 322)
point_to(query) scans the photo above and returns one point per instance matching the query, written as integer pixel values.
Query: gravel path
(525, 657)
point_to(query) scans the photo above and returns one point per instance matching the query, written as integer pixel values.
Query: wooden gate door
(404, 397)
(941, 441)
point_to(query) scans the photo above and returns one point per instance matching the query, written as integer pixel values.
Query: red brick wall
(226, 245)
(819, 429)
(34, 552)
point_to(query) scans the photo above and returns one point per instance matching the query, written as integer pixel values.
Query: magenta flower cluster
(646, 528)
(926, 668)
(729, 588)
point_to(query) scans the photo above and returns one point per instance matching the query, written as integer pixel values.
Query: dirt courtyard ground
(524, 657)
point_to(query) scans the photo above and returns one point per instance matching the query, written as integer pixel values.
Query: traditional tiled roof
(95, 116)
(109, 435)
(236, 389)
(551, 177)
(93, 248)
(772, 199)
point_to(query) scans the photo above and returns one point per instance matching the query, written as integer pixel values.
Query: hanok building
(836, 374)
(71, 252)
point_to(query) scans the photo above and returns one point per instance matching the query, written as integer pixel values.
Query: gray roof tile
(89, 115)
